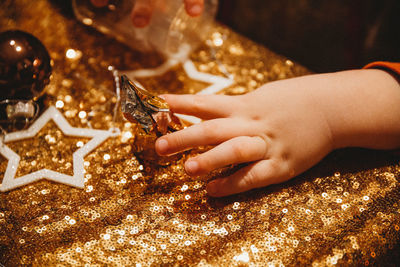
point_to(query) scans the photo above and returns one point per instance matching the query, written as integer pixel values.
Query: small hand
(285, 127)
(279, 132)
(143, 9)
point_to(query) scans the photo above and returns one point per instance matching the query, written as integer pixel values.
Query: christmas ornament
(25, 66)
(25, 69)
(150, 111)
(10, 181)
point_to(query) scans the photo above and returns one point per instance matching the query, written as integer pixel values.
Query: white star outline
(52, 113)
(217, 83)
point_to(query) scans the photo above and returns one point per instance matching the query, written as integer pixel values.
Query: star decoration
(77, 180)
(218, 83)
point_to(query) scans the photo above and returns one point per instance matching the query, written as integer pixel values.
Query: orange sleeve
(393, 67)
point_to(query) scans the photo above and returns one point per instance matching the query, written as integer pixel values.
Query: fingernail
(162, 146)
(191, 166)
(195, 10)
(140, 21)
(211, 188)
(99, 3)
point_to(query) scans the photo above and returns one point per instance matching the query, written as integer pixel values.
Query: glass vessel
(171, 31)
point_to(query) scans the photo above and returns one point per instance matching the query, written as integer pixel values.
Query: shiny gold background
(132, 211)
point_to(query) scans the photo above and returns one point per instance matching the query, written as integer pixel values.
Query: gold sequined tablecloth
(344, 211)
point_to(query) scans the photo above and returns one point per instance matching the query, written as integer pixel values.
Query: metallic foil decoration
(150, 111)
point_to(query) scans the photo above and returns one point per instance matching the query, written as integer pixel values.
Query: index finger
(202, 106)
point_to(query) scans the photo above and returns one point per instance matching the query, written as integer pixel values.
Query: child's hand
(285, 127)
(279, 131)
(143, 9)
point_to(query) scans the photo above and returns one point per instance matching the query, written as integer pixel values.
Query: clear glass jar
(170, 32)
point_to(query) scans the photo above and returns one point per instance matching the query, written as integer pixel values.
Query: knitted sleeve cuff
(392, 67)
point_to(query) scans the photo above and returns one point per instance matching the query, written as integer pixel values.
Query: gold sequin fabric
(134, 211)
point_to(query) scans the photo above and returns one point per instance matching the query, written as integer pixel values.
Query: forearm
(362, 107)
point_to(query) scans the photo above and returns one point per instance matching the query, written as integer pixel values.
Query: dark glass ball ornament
(25, 66)
(25, 69)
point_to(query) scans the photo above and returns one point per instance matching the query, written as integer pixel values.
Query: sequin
(133, 212)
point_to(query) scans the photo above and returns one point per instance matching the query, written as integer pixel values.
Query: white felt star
(218, 83)
(77, 180)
